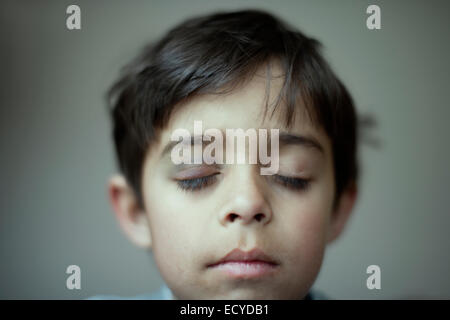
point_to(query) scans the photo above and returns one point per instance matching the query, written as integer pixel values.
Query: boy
(225, 231)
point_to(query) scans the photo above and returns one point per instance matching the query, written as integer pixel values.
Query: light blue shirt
(164, 293)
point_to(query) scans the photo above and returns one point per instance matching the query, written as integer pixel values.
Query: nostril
(259, 217)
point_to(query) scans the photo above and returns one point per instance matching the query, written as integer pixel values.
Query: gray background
(56, 152)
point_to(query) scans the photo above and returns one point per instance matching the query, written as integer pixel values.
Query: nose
(247, 202)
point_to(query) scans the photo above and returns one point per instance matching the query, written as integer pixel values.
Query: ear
(132, 219)
(342, 212)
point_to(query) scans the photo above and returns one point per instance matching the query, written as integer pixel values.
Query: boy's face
(190, 231)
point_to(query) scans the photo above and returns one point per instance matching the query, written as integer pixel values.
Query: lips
(246, 264)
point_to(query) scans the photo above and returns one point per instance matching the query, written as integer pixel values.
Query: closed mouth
(242, 264)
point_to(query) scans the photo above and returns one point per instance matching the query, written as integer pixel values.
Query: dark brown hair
(209, 53)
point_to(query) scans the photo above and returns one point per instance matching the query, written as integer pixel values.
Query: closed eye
(196, 184)
(293, 183)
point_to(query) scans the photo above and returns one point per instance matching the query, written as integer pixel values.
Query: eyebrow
(172, 144)
(284, 140)
(301, 140)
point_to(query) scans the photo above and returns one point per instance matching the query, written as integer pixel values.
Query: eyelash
(196, 184)
(295, 184)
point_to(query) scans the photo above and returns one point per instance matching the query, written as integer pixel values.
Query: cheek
(171, 234)
(312, 218)
(307, 229)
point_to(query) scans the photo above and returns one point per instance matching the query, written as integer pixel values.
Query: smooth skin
(237, 207)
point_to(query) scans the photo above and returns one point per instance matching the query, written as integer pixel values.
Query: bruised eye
(296, 184)
(196, 184)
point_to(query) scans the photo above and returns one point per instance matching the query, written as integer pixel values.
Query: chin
(243, 294)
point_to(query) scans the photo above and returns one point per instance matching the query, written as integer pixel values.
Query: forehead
(244, 107)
